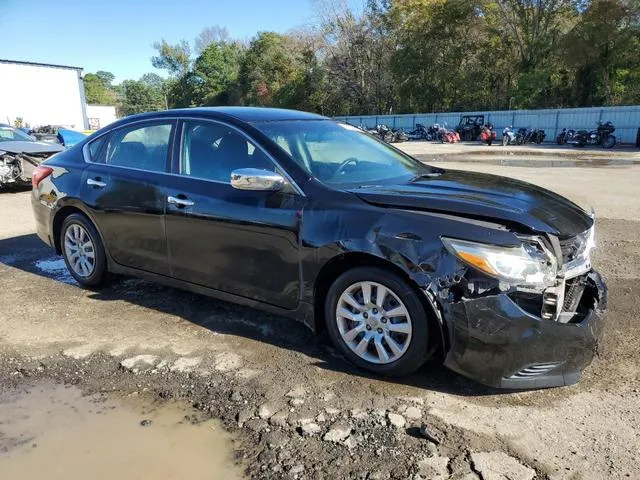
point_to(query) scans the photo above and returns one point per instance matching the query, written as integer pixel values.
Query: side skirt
(303, 313)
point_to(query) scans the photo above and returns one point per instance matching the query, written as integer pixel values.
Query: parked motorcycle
(442, 134)
(488, 134)
(387, 134)
(509, 137)
(538, 135)
(382, 132)
(420, 133)
(535, 135)
(399, 135)
(600, 136)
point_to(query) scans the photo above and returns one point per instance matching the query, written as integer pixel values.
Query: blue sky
(116, 35)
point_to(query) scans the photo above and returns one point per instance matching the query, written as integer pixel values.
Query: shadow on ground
(28, 253)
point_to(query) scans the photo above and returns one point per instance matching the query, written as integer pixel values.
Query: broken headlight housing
(529, 265)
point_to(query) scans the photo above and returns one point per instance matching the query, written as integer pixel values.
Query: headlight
(528, 265)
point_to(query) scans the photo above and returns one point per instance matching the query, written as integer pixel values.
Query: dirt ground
(297, 409)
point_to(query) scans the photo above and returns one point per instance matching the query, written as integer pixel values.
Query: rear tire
(391, 345)
(83, 251)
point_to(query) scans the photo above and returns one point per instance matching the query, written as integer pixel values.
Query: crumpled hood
(485, 196)
(30, 147)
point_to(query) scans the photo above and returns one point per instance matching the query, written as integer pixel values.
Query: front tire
(375, 319)
(609, 141)
(83, 251)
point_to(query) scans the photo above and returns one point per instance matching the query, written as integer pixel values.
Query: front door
(237, 241)
(124, 185)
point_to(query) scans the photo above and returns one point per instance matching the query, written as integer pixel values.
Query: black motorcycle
(601, 136)
(526, 135)
(420, 133)
(523, 135)
(538, 135)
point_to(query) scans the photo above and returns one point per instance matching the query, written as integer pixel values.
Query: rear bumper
(495, 342)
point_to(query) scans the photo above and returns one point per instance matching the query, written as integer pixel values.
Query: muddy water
(53, 432)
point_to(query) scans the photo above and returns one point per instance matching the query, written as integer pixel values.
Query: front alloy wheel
(377, 321)
(373, 322)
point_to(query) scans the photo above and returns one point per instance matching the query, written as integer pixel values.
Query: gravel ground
(299, 410)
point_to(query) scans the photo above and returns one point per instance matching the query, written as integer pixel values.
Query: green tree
(97, 92)
(215, 73)
(175, 59)
(139, 97)
(106, 77)
(446, 56)
(267, 66)
(604, 51)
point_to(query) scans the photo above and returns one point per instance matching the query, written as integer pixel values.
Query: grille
(573, 293)
(535, 370)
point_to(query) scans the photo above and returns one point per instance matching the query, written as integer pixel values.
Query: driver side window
(211, 151)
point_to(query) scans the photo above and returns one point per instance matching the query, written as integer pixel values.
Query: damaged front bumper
(494, 340)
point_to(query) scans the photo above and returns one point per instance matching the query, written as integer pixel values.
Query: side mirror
(256, 179)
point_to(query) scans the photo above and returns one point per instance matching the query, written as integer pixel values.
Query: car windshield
(341, 155)
(8, 134)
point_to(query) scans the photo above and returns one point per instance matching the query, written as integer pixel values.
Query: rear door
(124, 185)
(237, 241)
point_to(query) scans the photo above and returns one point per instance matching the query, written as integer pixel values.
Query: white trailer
(42, 94)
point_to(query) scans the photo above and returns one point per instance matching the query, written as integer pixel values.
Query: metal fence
(625, 119)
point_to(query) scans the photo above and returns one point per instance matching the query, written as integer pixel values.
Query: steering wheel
(343, 165)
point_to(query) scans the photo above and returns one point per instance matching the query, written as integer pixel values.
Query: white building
(42, 94)
(100, 116)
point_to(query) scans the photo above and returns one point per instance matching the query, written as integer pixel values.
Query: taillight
(40, 173)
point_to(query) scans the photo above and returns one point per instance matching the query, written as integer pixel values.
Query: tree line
(404, 56)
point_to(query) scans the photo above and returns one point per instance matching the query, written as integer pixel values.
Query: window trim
(178, 127)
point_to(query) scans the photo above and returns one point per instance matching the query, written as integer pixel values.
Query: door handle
(96, 182)
(180, 202)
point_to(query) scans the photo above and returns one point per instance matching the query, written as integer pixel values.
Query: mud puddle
(52, 431)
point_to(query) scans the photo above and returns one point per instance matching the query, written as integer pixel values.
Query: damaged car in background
(20, 154)
(296, 214)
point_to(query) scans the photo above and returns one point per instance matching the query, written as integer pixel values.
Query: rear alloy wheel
(375, 319)
(83, 251)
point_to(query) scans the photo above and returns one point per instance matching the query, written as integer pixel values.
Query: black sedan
(300, 215)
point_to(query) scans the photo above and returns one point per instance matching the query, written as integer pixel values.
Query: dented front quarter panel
(487, 336)
(410, 240)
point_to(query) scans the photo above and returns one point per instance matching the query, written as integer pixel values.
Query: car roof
(244, 114)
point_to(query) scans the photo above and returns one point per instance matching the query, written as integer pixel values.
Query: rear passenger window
(144, 147)
(96, 150)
